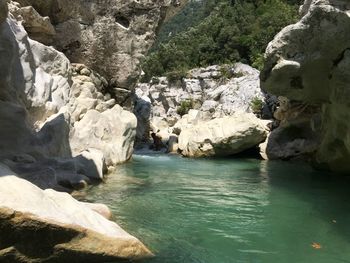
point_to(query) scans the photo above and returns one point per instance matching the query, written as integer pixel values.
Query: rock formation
(222, 136)
(48, 226)
(46, 105)
(108, 36)
(308, 65)
(61, 126)
(170, 107)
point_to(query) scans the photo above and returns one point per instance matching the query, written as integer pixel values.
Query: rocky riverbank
(69, 67)
(304, 91)
(65, 66)
(211, 112)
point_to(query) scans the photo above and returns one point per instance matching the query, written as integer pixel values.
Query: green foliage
(256, 105)
(191, 15)
(176, 75)
(185, 107)
(226, 72)
(222, 32)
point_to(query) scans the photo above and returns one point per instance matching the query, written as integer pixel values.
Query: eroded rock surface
(108, 36)
(308, 63)
(222, 136)
(48, 226)
(43, 98)
(61, 126)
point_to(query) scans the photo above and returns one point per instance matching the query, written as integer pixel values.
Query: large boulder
(222, 136)
(48, 226)
(112, 132)
(309, 64)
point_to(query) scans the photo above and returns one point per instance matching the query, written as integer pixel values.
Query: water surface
(228, 211)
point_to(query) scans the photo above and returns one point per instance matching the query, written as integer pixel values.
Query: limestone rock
(101, 209)
(112, 132)
(39, 28)
(38, 76)
(207, 91)
(308, 63)
(91, 163)
(48, 226)
(108, 36)
(173, 143)
(42, 96)
(222, 136)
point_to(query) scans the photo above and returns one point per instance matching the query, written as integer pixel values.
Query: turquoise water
(228, 211)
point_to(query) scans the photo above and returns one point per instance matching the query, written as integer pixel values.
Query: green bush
(256, 105)
(185, 107)
(176, 75)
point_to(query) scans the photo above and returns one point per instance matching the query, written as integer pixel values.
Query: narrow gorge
(187, 145)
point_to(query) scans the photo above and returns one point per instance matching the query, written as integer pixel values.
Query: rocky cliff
(308, 65)
(61, 127)
(47, 110)
(109, 36)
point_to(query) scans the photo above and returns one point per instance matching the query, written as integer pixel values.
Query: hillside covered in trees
(212, 32)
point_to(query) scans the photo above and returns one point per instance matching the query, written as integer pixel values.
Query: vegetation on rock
(185, 107)
(257, 105)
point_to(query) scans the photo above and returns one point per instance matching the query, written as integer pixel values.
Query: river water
(230, 210)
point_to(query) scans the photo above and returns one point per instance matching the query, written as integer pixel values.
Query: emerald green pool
(230, 210)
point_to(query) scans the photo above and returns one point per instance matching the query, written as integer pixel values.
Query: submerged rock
(222, 136)
(48, 226)
(309, 64)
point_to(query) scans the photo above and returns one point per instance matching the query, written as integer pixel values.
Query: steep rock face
(33, 74)
(39, 28)
(108, 36)
(3, 11)
(42, 98)
(308, 63)
(47, 226)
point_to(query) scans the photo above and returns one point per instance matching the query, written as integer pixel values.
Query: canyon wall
(308, 66)
(109, 36)
(61, 125)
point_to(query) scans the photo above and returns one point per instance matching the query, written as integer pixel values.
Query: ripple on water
(230, 211)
